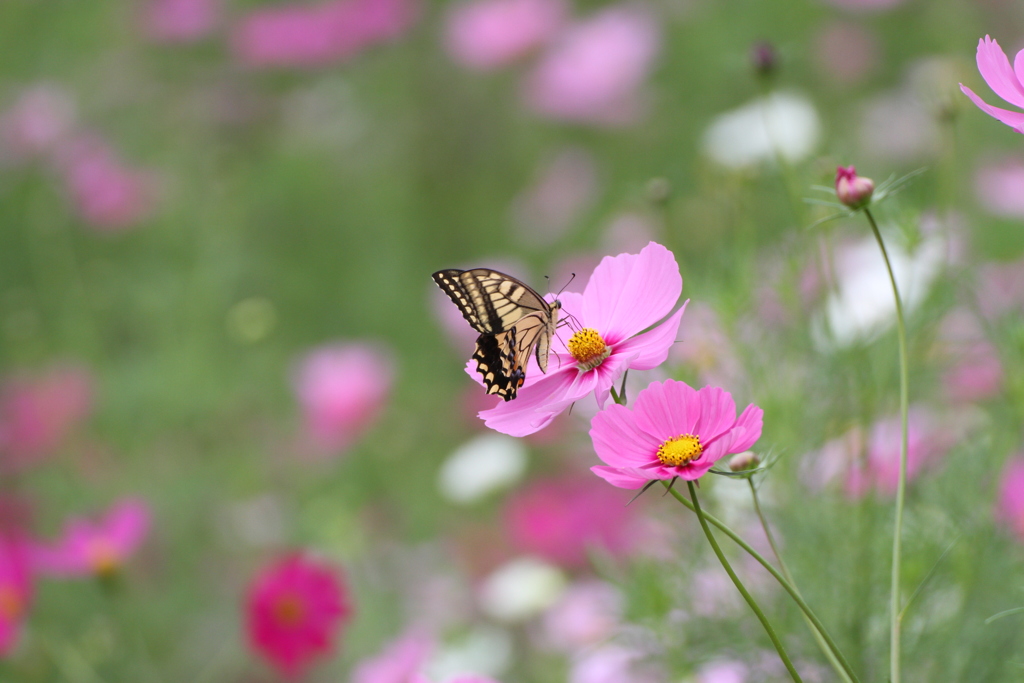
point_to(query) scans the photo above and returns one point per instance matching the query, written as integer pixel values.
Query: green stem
(829, 655)
(740, 587)
(895, 616)
(786, 585)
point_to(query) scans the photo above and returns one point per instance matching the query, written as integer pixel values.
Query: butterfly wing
(496, 362)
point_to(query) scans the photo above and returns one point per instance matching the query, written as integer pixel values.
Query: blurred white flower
(484, 651)
(863, 306)
(481, 466)
(520, 589)
(783, 124)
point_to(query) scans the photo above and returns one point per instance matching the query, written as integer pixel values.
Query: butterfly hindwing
(496, 362)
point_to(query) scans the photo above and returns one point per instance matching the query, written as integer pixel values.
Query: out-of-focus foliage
(217, 226)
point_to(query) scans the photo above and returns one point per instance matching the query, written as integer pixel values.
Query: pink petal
(534, 407)
(748, 429)
(1013, 119)
(618, 441)
(127, 524)
(995, 69)
(1018, 66)
(651, 348)
(630, 292)
(623, 478)
(667, 409)
(717, 413)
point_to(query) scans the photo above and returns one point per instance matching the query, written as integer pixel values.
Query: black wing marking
(490, 301)
(496, 363)
(450, 284)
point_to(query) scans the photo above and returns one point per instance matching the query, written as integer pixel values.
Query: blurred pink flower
(305, 35)
(1001, 77)
(626, 294)
(999, 187)
(1010, 506)
(587, 613)
(181, 21)
(562, 519)
(865, 5)
(594, 71)
(610, 663)
(294, 610)
(706, 347)
(398, 662)
(672, 431)
(845, 52)
(96, 549)
(40, 118)
(1001, 288)
(342, 389)
(974, 371)
(486, 34)
(38, 413)
(564, 188)
(723, 671)
(15, 591)
(109, 195)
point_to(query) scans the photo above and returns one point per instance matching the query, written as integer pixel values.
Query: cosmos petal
(618, 440)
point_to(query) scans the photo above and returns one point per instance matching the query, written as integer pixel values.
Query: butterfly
(513, 321)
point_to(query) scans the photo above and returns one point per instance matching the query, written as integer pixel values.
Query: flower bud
(764, 58)
(853, 190)
(747, 460)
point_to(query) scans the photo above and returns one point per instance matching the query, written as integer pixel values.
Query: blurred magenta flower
(1001, 288)
(562, 519)
(398, 662)
(587, 613)
(38, 413)
(41, 117)
(108, 195)
(564, 188)
(1010, 506)
(723, 671)
(998, 187)
(96, 549)
(594, 70)
(626, 294)
(342, 389)
(180, 21)
(15, 591)
(294, 610)
(851, 189)
(973, 371)
(1005, 81)
(865, 5)
(846, 52)
(672, 431)
(486, 34)
(611, 663)
(306, 35)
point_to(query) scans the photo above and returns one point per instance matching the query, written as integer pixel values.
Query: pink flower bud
(747, 460)
(853, 190)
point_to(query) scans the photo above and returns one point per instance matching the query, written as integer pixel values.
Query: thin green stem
(770, 568)
(895, 616)
(740, 587)
(825, 649)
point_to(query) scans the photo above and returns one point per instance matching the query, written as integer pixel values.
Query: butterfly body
(513, 320)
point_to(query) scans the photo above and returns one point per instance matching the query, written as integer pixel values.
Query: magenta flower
(294, 611)
(487, 34)
(181, 21)
(96, 549)
(672, 431)
(15, 591)
(342, 389)
(594, 71)
(398, 662)
(1010, 506)
(300, 35)
(1005, 81)
(38, 413)
(39, 119)
(561, 520)
(625, 295)
(851, 189)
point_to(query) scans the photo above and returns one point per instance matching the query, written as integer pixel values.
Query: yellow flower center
(289, 610)
(11, 604)
(680, 450)
(588, 348)
(103, 557)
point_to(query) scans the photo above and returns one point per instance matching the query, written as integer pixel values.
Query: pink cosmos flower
(15, 591)
(974, 370)
(38, 413)
(625, 295)
(40, 118)
(1001, 288)
(723, 671)
(96, 549)
(706, 347)
(294, 610)
(181, 21)
(564, 189)
(846, 52)
(301, 35)
(998, 187)
(672, 431)
(342, 389)
(108, 194)
(865, 5)
(1010, 506)
(587, 613)
(398, 662)
(487, 34)
(594, 71)
(1005, 81)
(561, 520)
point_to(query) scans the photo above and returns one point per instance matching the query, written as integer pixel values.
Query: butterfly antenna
(648, 485)
(571, 278)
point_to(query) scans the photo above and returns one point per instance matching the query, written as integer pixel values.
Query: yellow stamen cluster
(11, 604)
(103, 557)
(289, 610)
(588, 348)
(680, 450)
